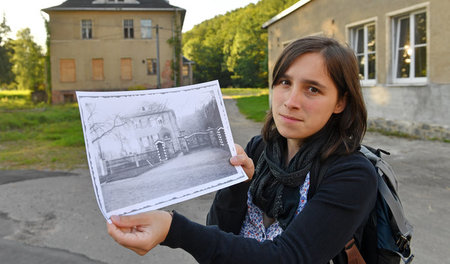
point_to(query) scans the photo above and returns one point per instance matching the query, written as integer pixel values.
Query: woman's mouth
(289, 118)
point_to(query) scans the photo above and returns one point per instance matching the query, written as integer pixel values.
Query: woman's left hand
(241, 159)
(140, 232)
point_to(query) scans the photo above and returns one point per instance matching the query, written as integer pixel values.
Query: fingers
(130, 220)
(241, 159)
(239, 149)
(125, 238)
(140, 232)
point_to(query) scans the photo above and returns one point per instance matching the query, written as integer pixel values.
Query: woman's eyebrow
(313, 82)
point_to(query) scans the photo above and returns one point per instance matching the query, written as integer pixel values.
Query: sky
(21, 14)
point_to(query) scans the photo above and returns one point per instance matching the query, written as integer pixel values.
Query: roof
(187, 61)
(139, 5)
(91, 5)
(285, 13)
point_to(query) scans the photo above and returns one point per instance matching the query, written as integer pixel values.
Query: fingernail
(233, 159)
(115, 218)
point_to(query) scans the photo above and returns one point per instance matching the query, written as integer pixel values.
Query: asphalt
(53, 217)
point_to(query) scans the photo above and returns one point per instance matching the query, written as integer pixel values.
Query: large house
(106, 45)
(402, 49)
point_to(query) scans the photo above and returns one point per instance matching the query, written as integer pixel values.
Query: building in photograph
(402, 50)
(107, 45)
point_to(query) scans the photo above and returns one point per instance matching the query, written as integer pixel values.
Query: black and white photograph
(152, 148)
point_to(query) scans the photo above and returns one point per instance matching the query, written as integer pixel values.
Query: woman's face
(304, 98)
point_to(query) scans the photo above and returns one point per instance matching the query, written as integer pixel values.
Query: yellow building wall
(412, 104)
(109, 44)
(331, 18)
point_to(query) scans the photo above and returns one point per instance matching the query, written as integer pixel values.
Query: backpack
(387, 234)
(387, 224)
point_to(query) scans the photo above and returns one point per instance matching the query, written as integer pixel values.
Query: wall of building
(414, 104)
(108, 43)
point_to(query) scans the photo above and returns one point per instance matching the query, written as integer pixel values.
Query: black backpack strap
(387, 189)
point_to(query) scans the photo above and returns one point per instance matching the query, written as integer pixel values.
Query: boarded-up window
(97, 69)
(67, 70)
(125, 69)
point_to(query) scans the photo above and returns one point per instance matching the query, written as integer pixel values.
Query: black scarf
(275, 187)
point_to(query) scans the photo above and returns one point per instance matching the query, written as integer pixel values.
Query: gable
(285, 12)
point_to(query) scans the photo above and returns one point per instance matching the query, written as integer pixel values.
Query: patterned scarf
(274, 187)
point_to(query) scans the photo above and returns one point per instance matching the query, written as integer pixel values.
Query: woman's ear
(341, 104)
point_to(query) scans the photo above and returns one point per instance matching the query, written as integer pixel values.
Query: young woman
(310, 191)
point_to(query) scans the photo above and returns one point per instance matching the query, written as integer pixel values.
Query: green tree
(233, 47)
(6, 74)
(28, 62)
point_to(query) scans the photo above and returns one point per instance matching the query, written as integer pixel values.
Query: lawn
(39, 136)
(252, 102)
(50, 137)
(254, 107)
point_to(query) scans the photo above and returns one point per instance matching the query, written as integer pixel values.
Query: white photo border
(171, 198)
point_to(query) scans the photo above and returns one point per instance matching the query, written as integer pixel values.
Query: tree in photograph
(6, 74)
(28, 62)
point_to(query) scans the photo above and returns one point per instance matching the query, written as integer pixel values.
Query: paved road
(53, 217)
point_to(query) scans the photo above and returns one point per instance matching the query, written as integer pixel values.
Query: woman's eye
(313, 90)
(284, 82)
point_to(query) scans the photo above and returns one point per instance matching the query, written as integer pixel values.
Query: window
(97, 70)
(146, 29)
(363, 43)
(86, 29)
(67, 70)
(151, 66)
(125, 69)
(410, 47)
(128, 30)
(185, 70)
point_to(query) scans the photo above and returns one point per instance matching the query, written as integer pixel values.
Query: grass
(236, 93)
(252, 102)
(254, 107)
(39, 136)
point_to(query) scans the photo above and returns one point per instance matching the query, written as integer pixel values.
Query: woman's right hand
(241, 159)
(141, 232)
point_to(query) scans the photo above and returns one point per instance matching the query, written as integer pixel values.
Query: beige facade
(402, 47)
(104, 49)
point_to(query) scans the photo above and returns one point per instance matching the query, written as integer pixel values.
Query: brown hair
(343, 131)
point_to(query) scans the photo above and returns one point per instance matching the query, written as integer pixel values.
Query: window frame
(395, 30)
(353, 30)
(145, 29)
(185, 70)
(128, 31)
(86, 35)
(154, 66)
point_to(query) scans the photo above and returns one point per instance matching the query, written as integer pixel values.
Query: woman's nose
(293, 100)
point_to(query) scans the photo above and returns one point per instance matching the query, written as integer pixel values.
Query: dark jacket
(337, 210)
